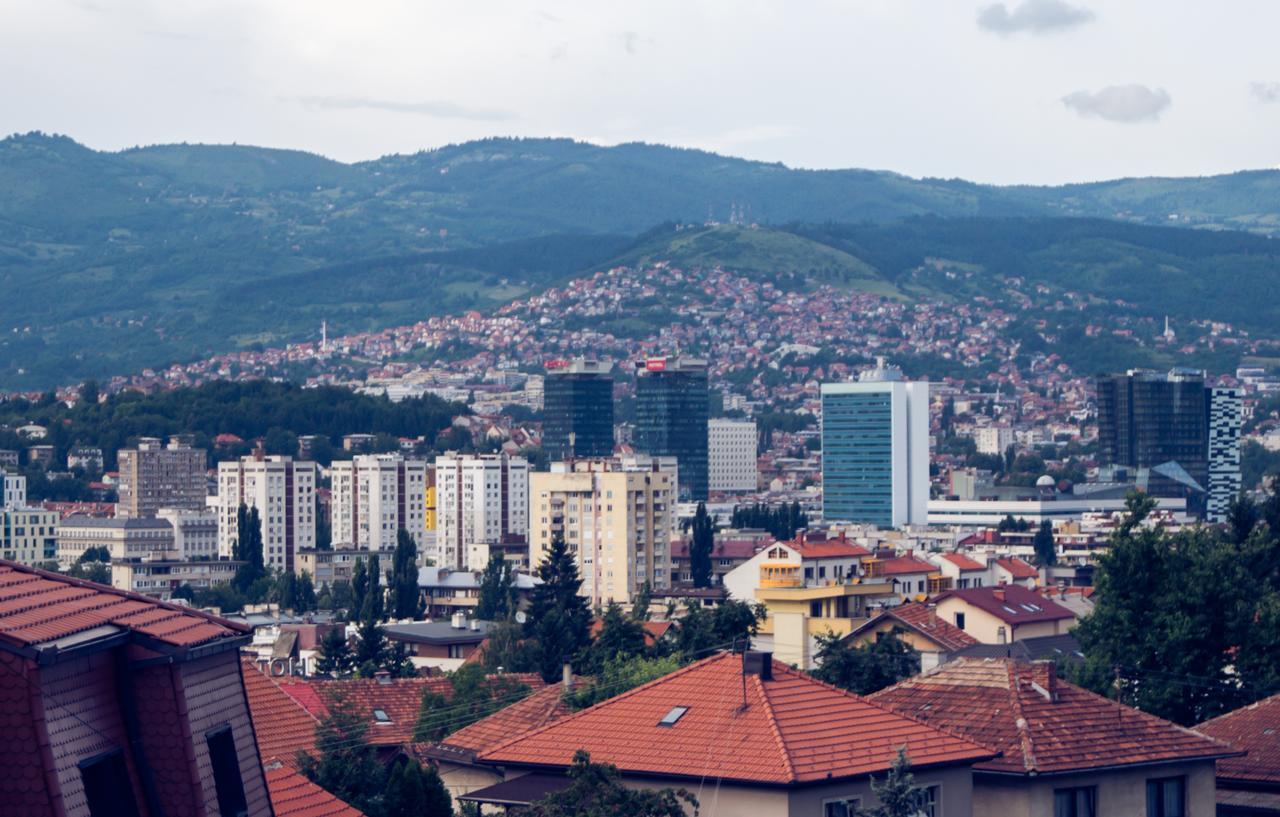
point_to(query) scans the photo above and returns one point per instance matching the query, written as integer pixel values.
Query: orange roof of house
(1256, 729)
(963, 562)
(793, 729)
(293, 795)
(834, 549)
(37, 607)
(281, 724)
(901, 565)
(923, 619)
(1018, 568)
(1038, 723)
(539, 709)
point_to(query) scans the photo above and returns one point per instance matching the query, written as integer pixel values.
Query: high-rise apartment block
(577, 409)
(617, 522)
(374, 496)
(283, 491)
(671, 417)
(481, 500)
(1225, 414)
(731, 455)
(153, 476)
(13, 490)
(875, 449)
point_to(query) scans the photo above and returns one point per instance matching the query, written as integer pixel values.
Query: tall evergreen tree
(865, 669)
(620, 637)
(898, 794)
(406, 598)
(1046, 553)
(336, 659)
(359, 587)
(307, 601)
(248, 549)
(640, 604)
(375, 596)
(415, 791)
(559, 618)
(703, 537)
(497, 590)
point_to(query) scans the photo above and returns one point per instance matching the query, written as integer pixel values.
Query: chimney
(459, 621)
(475, 625)
(566, 676)
(999, 594)
(756, 662)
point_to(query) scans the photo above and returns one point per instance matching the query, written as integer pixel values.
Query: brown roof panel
(1255, 729)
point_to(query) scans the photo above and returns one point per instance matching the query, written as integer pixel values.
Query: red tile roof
(1018, 568)
(923, 619)
(1012, 604)
(293, 795)
(653, 630)
(281, 724)
(37, 606)
(831, 550)
(995, 702)
(963, 562)
(793, 729)
(539, 709)
(903, 565)
(1255, 729)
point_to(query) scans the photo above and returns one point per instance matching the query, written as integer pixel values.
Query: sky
(1024, 91)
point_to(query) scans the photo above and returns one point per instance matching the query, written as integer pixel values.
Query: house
(446, 591)
(654, 631)
(747, 733)
(116, 703)
(812, 562)
(913, 578)
(1249, 785)
(293, 795)
(1012, 570)
(920, 626)
(998, 615)
(443, 644)
(726, 554)
(1062, 750)
(964, 571)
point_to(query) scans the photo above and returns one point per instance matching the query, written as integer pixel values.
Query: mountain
(117, 261)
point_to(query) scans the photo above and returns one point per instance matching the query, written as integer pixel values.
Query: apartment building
(618, 522)
(480, 500)
(195, 533)
(374, 496)
(283, 491)
(160, 577)
(731, 455)
(153, 476)
(125, 538)
(28, 535)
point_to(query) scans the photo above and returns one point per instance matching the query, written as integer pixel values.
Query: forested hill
(110, 262)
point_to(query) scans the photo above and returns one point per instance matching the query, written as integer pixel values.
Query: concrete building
(1225, 412)
(328, 566)
(618, 523)
(374, 496)
(731, 455)
(671, 417)
(124, 537)
(13, 490)
(28, 535)
(480, 499)
(160, 577)
(195, 533)
(993, 439)
(283, 491)
(577, 409)
(153, 476)
(986, 512)
(875, 449)
(85, 458)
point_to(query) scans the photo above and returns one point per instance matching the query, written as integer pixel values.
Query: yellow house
(920, 626)
(1000, 615)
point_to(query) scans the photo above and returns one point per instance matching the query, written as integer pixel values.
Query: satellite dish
(520, 617)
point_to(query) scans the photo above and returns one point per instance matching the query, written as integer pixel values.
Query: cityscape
(615, 474)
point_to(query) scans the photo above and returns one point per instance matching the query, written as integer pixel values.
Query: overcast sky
(1021, 91)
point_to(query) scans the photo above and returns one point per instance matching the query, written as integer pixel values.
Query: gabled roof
(38, 607)
(1256, 729)
(1040, 724)
(792, 729)
(1018, 568)
(281, 724)
(1041, 647)
(539, 709)
(905, 565)
(833, 549)
(963, 562)
(293, 795)
(924, 620)
(1012, 604)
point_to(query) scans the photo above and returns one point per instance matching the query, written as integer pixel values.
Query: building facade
(13, 490)
(577, 413)
(124, 537)
(480, 500)
(875, 449)
(671, 417)
(1225, 414)
(374, 496)
(1150, 419)
(28, 535)
(731, 455)
(617, 522)
(153, 476)
(283, 491)
(195, 533)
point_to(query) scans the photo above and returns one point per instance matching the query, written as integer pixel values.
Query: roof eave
(1108, 766)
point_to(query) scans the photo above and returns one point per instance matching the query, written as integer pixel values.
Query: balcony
(780, 575)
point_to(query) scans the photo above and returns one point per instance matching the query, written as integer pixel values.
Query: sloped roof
(904, 565)
(293, 795)
(1018, 568)
(1255, 729)
(963, 562)
(1012, 604)
(539, 709)
(37, 607)
(1040, 724)
(793, 729)
(923, 619)
(834, 549)
(281, 724)
(653, 630)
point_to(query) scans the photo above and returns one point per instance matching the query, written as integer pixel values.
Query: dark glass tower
(671, 417)
(577, 409)
(1149, 419)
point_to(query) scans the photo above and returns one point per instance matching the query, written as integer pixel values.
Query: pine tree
(287, 591)
(306, 596)
(335, 654)
(703, 540)
(620, 637)
(898, 794)
(406, 599)
(497, 590)
(415, 791)
(359, 587)
(640, 604)
(345, 765)
(1046, 553)
(371, 649)
(248, 549)
(559, 618)
(375, 596)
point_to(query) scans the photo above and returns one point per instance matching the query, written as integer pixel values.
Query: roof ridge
(1132, 711)
(1026, 740)
(944, 728)
(771, 718)
(607, 701)
(1260, 702)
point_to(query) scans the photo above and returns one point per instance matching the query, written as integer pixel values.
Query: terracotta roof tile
(37, 606)
(904, 565)
(1012, 604)
(963, 562)
(831, 550)
(293, 795)
(539, 709)
(1255, 729)
(995, 702)
(792, 729)
(281, 724)
(923, 619)
(1018, 568)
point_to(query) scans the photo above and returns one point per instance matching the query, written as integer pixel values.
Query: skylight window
(381, 717)
(1009, 610)
(676, 713)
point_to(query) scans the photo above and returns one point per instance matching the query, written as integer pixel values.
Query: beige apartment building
(153, 476)
(283, 491)
(618, 522)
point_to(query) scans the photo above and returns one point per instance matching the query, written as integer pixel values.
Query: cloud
(1120, 103)
(1265, 91)
(633, 40)
(1033, 16)
(440, 110)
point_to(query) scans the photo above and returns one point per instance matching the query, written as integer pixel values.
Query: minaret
(324, 336)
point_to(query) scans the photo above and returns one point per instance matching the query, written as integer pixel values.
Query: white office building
(374, 496)
(731, 455)
(875, 449)
(195, 533)
(1225, 413)
(283, 491)
(481, 500)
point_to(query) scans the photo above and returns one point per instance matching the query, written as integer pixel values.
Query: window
(226, 772)
(1077, 802)
(930, 801)
(960, 620)
(1166, 797)
(381, 717)
(848, 807)
(676, 713)
(107, 787)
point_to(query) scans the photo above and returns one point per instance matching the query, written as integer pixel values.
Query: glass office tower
(1149, 419)
(671, 417)
(577, 409)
